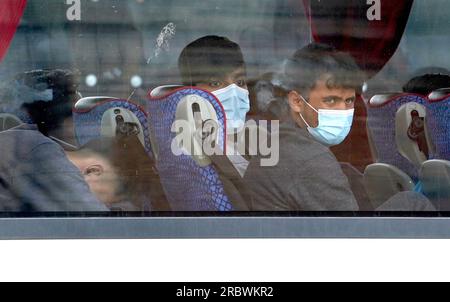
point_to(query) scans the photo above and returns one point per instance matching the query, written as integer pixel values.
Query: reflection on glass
(224, 106)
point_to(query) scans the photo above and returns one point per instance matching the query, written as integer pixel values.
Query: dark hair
(209, 56)
(49, 113)
(318, 61)
(427, 83)
(140, 182)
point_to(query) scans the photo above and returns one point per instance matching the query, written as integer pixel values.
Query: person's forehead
(240, 71)
(227, 74)
(87, 159)
(321, 89)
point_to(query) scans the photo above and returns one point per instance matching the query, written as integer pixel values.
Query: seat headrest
(196, 118)
(383, 121)
(439, 94)
(163, 90)
(88, 103)
(382, 99)
(95, 117)
(189, 184)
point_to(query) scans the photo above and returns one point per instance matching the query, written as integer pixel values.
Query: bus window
(224, 106)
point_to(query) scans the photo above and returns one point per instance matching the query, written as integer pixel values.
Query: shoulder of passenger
(306, 149)
(47, 148)
(20, 144)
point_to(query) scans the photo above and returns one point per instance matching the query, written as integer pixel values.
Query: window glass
(221, 106)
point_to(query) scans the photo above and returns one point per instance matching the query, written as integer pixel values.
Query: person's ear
(295, 101)
(94, 170)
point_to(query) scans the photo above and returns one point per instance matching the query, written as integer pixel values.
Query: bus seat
(107, 116)
(383, 122)
(438, 123)
(166, 104)
(8, 121)
(356, 181)
(435, 179)
(382, 181)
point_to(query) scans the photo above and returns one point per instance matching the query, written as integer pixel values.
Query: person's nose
(341, 106)
(228, 83)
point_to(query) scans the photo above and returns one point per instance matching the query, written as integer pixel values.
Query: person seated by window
(217, 65)
(35, 174)
(120, 174)
(320, 87)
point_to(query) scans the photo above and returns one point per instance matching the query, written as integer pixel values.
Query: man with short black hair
(212, 63)
(216, 64)
(320, 87)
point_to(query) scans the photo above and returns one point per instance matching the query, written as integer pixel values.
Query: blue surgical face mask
(236, 104)
(334, 125)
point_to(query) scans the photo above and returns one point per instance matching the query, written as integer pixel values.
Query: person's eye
(215, 83)
(89, 171)
(241, 83)
(350, 101)
(329, 101)
(93, 170)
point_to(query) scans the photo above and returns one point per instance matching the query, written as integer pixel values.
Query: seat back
(383, 120)
(438, 123)
(8, 121)
(435, 179)
(382, 181)
(191, 183)
(106, 116)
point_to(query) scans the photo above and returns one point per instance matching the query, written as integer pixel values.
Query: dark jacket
(35, 175)
(307, 177)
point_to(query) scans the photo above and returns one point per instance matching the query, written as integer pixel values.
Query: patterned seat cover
(87, 122)
(438, 123)
(188, 186)
(381, 124)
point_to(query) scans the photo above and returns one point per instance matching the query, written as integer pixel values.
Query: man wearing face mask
(216, 64)
(320, 87)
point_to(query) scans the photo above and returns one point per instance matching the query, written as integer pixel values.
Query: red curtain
(344, 24)
(11, 12)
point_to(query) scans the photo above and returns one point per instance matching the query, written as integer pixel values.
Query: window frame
(223, 227)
